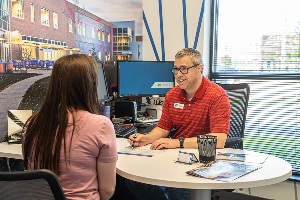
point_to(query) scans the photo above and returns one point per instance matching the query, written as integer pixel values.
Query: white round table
(163, 171)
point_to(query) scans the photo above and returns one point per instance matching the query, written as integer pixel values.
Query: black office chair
(238, 95)
(33, 185)
(222, 195)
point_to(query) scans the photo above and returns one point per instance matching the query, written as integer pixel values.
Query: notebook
(224, 171)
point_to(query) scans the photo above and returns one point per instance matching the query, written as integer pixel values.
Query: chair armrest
(230, 142)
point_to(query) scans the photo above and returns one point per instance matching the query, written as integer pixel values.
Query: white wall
(286, 190)
(173, 27)
(172, 12)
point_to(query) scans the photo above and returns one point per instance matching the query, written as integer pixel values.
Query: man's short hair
(192, 53)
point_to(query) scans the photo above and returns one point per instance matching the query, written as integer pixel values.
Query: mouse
(141, 125)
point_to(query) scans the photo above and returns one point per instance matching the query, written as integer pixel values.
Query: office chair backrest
(238, 95)
(33, 185)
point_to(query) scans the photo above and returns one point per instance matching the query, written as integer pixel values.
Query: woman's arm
(106, 179)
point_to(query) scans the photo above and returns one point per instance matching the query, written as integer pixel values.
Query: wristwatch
(181, 140)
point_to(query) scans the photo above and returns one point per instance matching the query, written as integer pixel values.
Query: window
(99, 55)
(79, 29)
(70, 25)
(34, 39)
(103, 36)
(55, 20)
(83, 29)
(17, 9)
(99, 34)
(45, 16)
(108, 37)
(93, 32)
(261, 46)
(32, 12)
(4, 7)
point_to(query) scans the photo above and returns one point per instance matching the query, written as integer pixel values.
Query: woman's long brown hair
(72, 86)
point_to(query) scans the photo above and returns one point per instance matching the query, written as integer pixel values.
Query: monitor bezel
(141, 95)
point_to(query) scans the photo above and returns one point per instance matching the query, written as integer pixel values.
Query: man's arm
(156, 134)
(221, 139)
(189, 143)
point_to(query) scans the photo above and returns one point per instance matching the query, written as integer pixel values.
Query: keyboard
(123, 130)
(147, 119)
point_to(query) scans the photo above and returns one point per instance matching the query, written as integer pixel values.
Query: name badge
(187, 158)
(178, 105)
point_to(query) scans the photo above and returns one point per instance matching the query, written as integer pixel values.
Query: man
(196, 106)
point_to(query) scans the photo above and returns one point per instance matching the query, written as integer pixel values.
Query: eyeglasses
(183, 70)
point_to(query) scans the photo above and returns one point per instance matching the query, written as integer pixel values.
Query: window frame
(103, 36)
(70, 23)
(93, 32)
(55, 20)
(99, 34)
(83, 29)
(79, 28)
(32, 16)
(45, 16)
(17, 13)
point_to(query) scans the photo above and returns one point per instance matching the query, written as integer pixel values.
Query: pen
(135, 154)
(142, 155)
(134, 137)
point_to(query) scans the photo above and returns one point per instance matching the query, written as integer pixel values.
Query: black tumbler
(207, 148)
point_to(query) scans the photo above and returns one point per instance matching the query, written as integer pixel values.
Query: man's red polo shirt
(207, 112)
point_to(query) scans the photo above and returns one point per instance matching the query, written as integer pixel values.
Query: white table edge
(232, 185)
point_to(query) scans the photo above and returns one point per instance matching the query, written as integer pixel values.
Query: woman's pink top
(93, 141)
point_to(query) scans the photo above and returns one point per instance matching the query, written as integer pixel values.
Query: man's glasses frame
(183, 70)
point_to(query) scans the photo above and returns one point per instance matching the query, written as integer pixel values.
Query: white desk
(162, 170)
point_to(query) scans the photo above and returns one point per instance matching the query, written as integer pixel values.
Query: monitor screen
(102, 85)
(145, 78)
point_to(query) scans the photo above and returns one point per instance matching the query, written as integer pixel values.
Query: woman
(69, 137)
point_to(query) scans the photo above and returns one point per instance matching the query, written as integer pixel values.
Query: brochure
(224, 170)
(243, 157)
(140, 151)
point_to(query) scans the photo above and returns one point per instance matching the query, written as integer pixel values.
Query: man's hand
(137, 140)
(165, 143)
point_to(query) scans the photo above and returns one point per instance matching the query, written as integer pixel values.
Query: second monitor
(145, 78)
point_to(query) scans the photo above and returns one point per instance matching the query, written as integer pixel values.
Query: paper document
(140, 151)
(244, 157)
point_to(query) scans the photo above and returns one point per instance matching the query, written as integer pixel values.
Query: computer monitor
(144, 78)
(102, 85)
